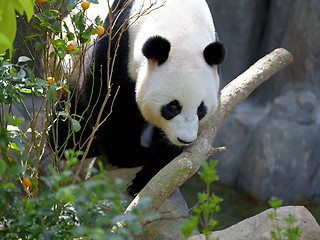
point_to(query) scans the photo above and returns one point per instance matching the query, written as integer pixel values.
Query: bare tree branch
(188, 162)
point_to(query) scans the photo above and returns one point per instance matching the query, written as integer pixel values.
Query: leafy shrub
(208, 204)
(91, 209)
(290, 232)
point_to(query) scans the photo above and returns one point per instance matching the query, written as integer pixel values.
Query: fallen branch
(188, 162)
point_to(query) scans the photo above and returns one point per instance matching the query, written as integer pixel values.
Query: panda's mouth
(184, 142)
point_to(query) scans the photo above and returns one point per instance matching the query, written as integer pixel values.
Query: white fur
(185, 76)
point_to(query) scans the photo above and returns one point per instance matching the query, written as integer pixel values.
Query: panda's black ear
(157, 48)
(215, 53)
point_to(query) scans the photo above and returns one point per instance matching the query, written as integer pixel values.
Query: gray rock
(258, 227)
(282, 159)
(300, 107)
(234, 133)
(173, 212)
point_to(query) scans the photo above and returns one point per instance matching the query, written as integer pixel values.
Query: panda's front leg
(160, 153)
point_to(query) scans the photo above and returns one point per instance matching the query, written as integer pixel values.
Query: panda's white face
(178, 110)
(177, 95)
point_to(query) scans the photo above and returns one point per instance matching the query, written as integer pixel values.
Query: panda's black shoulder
(101, 51)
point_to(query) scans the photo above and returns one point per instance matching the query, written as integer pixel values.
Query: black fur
(157, 48)
(215, 53)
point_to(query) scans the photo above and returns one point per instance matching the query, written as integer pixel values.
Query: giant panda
(166, 78)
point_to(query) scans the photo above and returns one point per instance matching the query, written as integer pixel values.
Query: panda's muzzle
(183, 141)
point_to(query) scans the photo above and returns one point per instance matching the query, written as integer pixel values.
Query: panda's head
(177, 87)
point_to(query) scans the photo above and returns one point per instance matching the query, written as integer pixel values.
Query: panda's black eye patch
(171, 109)
(202, 111)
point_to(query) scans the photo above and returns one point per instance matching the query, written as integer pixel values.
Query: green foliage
(275, 203)
(208, 173)
(208, 203)
(8, 24)
(91, 209)
(17, 79)
(290, 232)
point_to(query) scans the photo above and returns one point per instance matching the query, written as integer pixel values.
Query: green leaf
(47, 14)
(87, 33)
(290, 219)
(36, 26)
(23, 6)
(32, 35)
(65, 194)
(58, 43)
(271, 215)
(15, 147)
(41, 83)
(38, 91)
(212, 223)
(23, 59)
(7, 25)
(20, 75)
(70, 163)
(75, 125)
(38, 46)
(66, 89)
(71, 4)
(56, 26)
(17, 121)
(3, 167)
(189, 226)
(70, 36)
(98, 21)
(80, 21)
(50, 94)
(206, 232)
(7, 185)
(16, 169)
(94, 1)
(208, 173)
(202, 197)
(275, 202)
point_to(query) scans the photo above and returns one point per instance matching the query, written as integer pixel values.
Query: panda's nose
(183, 141)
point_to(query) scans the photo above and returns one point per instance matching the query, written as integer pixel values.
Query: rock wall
(273, 139)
